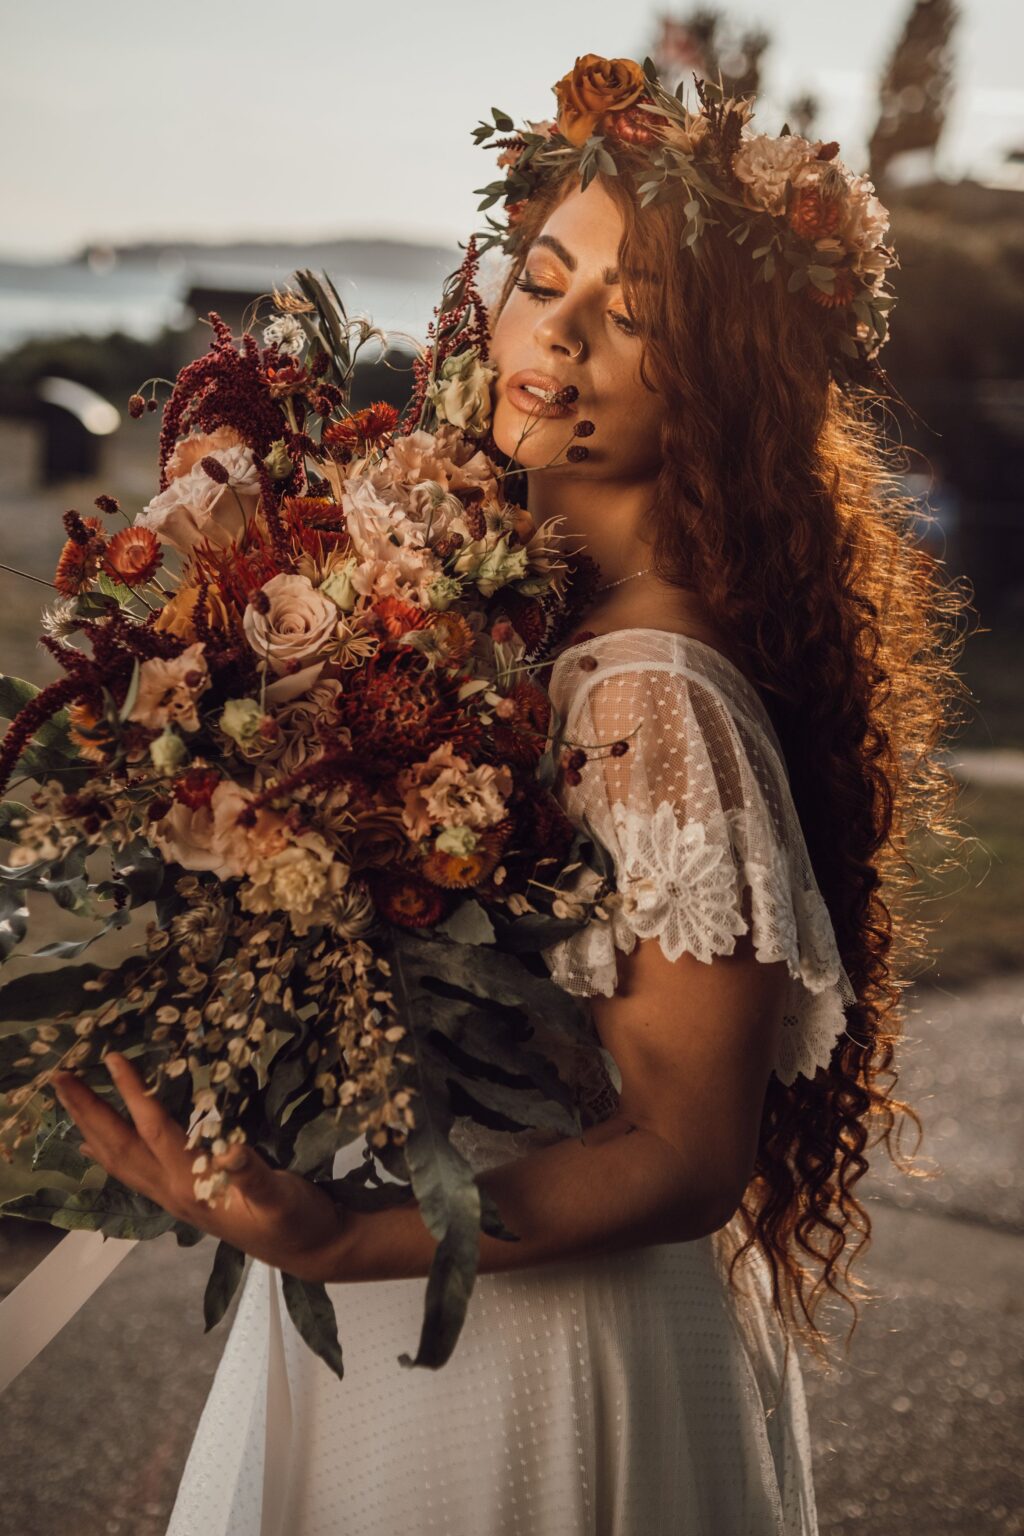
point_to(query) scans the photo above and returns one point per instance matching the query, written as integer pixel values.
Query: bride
(769, 642)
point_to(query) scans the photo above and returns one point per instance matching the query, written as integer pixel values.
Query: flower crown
(794, 200)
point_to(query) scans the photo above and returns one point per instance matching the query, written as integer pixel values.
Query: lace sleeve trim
(683, 885)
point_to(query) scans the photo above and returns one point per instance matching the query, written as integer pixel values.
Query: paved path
(916, 1431)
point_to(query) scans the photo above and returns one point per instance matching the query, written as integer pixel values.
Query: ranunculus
(593, 87)
(338, 585)
(194, 506)
(298, 624)
(168, 690)
(462, 394)
(240, 719)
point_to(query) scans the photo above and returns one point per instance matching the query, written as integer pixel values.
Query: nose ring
(574, 355)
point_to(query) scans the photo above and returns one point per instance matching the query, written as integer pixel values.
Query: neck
(603, 517)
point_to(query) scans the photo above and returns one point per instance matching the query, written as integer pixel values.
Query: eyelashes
(540, 295)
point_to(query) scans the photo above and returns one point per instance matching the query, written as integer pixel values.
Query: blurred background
(155, 165)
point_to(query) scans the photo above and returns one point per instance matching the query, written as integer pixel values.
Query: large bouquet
(305, 738)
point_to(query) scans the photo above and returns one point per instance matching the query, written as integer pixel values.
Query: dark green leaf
(114, 1210)
(57, 1154)
(11, 810)
(227, 1271)
(468, 924)
(310, 1309)
(13, 918)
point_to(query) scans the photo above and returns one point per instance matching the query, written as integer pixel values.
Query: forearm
(620, 1187)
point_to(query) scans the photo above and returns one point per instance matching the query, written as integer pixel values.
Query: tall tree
(698, 43)
(916, 86)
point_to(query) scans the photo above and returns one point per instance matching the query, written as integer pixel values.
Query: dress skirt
(626, 1395)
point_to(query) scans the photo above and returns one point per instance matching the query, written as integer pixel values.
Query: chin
(543, 441)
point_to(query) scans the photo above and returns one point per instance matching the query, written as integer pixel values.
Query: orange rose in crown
(594, 87)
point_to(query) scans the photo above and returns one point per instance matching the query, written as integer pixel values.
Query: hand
(278, 1217)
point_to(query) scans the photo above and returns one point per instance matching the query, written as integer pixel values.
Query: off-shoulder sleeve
(697, 809)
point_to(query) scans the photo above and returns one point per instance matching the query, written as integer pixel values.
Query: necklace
(608, 585)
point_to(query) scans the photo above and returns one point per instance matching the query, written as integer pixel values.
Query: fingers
(111, 1142)
(160, 1132)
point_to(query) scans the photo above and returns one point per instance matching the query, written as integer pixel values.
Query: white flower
(60, 621)
(677, 883)
(287, 332)
(865, 218)
(766, 165)
(194, 506)
(240, 719)
(462, 394)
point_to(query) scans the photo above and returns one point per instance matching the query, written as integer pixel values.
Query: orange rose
(596, 86)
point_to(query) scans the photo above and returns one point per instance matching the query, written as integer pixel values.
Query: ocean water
(140, 297)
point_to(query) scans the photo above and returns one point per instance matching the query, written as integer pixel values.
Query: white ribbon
(37, 1308)
(278, 1429)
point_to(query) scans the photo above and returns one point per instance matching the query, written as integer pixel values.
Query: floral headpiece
(791, 198)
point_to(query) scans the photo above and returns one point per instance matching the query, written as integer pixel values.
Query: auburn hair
(779, 502)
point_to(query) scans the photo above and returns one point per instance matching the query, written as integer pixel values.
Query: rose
(462, 394)
(297, 624)
(189, 450)
(593, 87)
(194, 506)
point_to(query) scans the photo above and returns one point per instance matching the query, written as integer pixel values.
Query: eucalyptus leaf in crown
(808, 221)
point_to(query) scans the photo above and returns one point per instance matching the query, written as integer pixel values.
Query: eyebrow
(610, 274)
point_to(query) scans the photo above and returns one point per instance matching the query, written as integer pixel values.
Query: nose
(557, 333)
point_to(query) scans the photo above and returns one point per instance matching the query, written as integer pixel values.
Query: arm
(694, 1043)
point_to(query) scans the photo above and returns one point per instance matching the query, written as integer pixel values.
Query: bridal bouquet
(298, 731)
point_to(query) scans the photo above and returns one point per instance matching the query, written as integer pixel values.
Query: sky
(202, 119)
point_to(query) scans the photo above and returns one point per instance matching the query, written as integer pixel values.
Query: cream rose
(196, 507)
(298, 623)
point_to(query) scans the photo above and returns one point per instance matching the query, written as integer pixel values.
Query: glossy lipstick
(536, 405)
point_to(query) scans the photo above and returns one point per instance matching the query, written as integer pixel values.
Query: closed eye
(540, 295)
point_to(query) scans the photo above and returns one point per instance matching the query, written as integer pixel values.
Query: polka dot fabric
(631, 1395)
(697, 809)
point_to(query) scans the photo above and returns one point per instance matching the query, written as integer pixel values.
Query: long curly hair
(779, 501)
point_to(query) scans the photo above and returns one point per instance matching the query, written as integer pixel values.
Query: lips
(523, 400)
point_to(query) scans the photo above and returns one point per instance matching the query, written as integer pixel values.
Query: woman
(773, 648)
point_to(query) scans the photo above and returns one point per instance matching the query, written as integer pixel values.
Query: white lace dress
(630, 1395)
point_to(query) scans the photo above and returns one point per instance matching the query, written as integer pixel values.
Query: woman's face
(577, 330)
